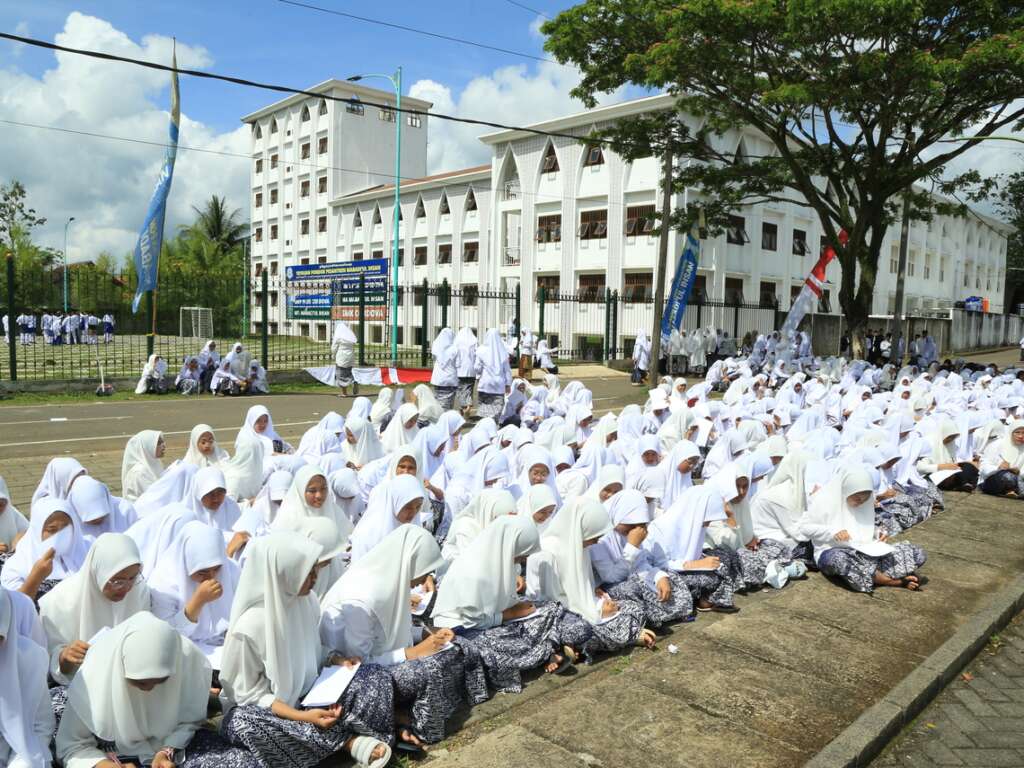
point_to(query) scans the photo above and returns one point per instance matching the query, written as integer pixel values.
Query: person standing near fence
(527, 346)
(494, 375)
(343, 345)
(641, 358)
(465, 365)
(108, 328)
(445, 377)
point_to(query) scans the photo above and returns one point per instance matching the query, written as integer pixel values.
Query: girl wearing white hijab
(259, 425)
(203, 450)
(323, 437)
(225, 381)
(627, 572)
(941, 460)
(465, 366)
(641, 358)
(777, 511)
(141, 465)
(212, 505)
(194, 583)
(258, 517)
(13, 524)
(488, 506)
(105, 592)
(562, 572)
(678, 469)
(494, 375)
(174, 486)
(347, 493)
(380, 413)
(569, 481)
(481, 597)
(399, 502)
(538, 503)
(428, 407)
(343, 345)
(273, 654)
(27, 724)
(729, 447)
(402, 429)
(98, 510)
(403, 461)
(143, 689)
(243, 472)
(361, 445)
(445, 376)
(366, 614)
(58, 477)
(1002, 461)
(52, 549)
(153, 535)
(152, 378)
(841, 525)
(538, 468)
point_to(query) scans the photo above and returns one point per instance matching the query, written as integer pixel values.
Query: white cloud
(513, 95)
(106, 184)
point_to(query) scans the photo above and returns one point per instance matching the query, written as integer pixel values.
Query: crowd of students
(428, 564)
(73, 327)
(236, 373)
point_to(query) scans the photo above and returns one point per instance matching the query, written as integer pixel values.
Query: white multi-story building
(576, 218)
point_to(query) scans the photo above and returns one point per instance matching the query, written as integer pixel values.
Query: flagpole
(659, 277)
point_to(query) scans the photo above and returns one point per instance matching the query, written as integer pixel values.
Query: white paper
(329, 686)
(942, 475)
(872, 548)
(424, 603)
(703, 431)
(98, 635)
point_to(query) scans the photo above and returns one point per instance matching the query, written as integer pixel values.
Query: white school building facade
(545, 211)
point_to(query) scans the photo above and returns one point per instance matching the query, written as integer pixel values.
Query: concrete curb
(866, 737)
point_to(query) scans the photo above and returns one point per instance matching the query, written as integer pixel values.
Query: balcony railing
(511, 256)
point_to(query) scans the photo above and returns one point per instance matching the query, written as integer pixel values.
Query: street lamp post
(68, 224)
(395, 81)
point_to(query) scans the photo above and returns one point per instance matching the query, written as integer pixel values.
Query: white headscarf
(830, 513)
(243, 472)
(294, 509)
(153, 535)
(70, 545)
(227, 514)
(270, 616)
(531, 456)
(629, 507)
(12, 522)
(323, 437)
(465, 343)
(488, 505)
(139, 722)
(492, 356)
(76, 609)
(193, 455)
(367, 447)
(1009, 452)
(343, 334)
(98, 511)
(174, 486)
(381, 408)
(397, 434)
(23, 666)
(481, 583)
(381, 516)
(427, 405)
(678, 535)
(248, 430)
(140, 467)
(347, 494)
(380, 581)
(57, 478)
(675, 481)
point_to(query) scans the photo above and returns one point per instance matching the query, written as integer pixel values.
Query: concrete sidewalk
(770, 686)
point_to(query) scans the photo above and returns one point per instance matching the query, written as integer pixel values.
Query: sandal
(362, 749)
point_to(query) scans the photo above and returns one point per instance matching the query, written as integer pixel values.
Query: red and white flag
(379, 377)
(811, 292)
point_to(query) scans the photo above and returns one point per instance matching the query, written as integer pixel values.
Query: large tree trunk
(859, 264)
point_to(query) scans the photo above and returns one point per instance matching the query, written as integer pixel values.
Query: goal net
(195, 322)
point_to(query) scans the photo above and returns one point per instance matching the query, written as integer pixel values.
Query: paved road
(978, 720)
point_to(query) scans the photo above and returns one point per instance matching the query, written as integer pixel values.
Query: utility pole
(659, 277)
(901, 271)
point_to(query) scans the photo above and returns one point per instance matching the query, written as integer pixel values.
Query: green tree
(16, 219)
(216, 225)
(1011, 207)
(856, 98)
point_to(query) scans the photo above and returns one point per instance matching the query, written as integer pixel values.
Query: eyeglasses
(124, 583)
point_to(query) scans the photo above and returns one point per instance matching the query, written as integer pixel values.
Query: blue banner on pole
(151, 236)
(682, 286)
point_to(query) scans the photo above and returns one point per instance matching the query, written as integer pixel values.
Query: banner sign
(682, 286)
(309, 306)
(349, 271)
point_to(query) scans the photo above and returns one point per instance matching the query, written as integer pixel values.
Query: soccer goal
(195, 322)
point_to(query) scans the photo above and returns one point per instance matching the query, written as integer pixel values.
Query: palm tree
(216, 225)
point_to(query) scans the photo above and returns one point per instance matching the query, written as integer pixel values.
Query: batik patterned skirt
(719, 586)
(489, 405)
(369, 710)
(435, 687)
(755, 562)
(206, 749)
(656, 613)
(606, 636)
(464, 392)
(857, 570)
(446, 395)
(343, 376)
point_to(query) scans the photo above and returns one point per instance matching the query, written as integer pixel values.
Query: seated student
(777, 511)
(152, 381)
(841, 521)
(1001, 463)
(13, 524)
(52, 549)
(259, 425)
(941, 460)
(140, 699)
(562, 572)
(272, 656)
(540, 504)
(27, 724)
(398, 502)
(488, 506)
(257, 379)
(187, 381)
(259, 516)
(366, 614)
(380, 413)
(203, 450)
(244, 471)
(226, 382)
(209, 362)
(626, 571)
(141, 465)
(211, 504)
(98, 510)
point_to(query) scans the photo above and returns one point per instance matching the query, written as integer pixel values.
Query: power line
(300, 92)
(527, 8)
(414, 30)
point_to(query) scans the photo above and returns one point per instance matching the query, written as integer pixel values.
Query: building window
(323, 108)
(591, 287)
(273, 125)
(273, 196)
(420, 211)
(768, 297)
(594, 225)
(640, 220)
(321, 145)
(418, 296)
(257, 297)
(321, 259)
(257, 132)
(273, 231)
(321, 224)
(377, 254)
(911, 267)
(551, 284)
(273, 161)
(894, 260)
(800, 243)
(321, 185)
(700, 288)
(415, 121)
(304, 115)
(734, 290)
(259, 199)
(470, 201)
(357, 221)
(357, 256)
(470, 252)
(444, 253)
(258, 270)
(401, 257)
(321, 332)
(304, 154)
(736, 232)
(259, 234)
(594, 156)
(273, 268)
(304, 188)
(549, 228)
(470, 292)
(419, 256)
(387, 115)
(259, 165)
(304, 261)
(353, 107)
(273, 298)
(942, 270)
(443, 208)
(769, 236)
(550, 162)
(637, 286)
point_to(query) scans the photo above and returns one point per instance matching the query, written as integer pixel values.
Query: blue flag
(151, 236)
(682, 286)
